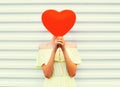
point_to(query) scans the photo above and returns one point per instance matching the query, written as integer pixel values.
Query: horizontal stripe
(6, 86)
(117, 69)
(38, 13)
(99, 69)
(89, 50)
(87, 27)
(97, 13)
(101, 59)
(69, 32)
(81, 17)
(97, 22)
(96, 41)
(38, 22)
(102, 78)
(90, 59)
(85, 64)
(55, 3)
(86, 12)
(76, 8)
(75, 78)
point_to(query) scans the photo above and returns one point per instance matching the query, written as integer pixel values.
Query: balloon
(58, 23)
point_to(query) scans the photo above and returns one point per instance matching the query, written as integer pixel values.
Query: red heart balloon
(58, 23)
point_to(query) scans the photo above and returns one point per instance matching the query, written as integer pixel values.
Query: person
(58, 60)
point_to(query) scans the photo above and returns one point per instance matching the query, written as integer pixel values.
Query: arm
(71, 67)
(48, 69)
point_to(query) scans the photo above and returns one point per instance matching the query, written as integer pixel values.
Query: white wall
(97, 32)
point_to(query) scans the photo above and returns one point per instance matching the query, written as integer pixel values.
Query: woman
(59, 60)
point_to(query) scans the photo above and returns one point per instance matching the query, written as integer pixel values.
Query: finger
(60, 40)
(60, 44)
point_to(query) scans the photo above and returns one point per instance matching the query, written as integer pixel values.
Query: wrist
(54, 49)
(63, 48)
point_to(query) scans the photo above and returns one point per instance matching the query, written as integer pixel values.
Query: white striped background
(97, 32)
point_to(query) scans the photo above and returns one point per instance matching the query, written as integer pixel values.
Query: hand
(60, 42)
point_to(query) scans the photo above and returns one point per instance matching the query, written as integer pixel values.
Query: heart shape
(58, 23)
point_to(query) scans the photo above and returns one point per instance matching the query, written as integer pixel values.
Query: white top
(60, 77)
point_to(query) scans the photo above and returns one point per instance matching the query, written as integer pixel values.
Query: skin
(55, 43)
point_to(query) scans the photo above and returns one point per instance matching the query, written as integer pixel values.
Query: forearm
(48, 69)
(71, 67)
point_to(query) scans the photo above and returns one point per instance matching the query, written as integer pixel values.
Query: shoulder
(71, 44)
